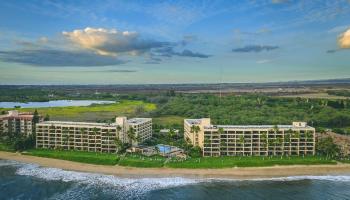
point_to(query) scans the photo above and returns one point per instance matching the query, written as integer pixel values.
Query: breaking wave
(129, 188)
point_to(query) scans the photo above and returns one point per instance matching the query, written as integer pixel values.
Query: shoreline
(241, 173)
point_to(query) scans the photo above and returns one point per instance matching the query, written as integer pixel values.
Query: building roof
(135, 121)
(254, 127)
(193, 121)
(69, 123)
(14, 114)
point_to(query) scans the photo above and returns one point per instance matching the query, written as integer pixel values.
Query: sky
(156, 42)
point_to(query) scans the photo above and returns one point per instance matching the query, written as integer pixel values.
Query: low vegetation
(95, 112)
(77, 156)
(136, 160)
(225, 162)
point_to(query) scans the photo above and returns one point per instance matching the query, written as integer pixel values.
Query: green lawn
(135, 160)
(226, 162)
(345, 161)
(4, 147)
(77, 156)
(94, 112)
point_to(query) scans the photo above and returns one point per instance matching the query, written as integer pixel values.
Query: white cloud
(338, 29)
(111, 42)
(344, 40)
(263, 61)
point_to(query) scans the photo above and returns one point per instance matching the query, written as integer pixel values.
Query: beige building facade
(95, 137)
(17, 122)
(250, 140)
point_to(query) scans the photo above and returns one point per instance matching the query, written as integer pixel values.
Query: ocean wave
(336, 178)
(9, 163)
(145, 184)
(134, 185)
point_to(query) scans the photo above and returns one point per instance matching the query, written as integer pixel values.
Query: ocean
(30, 181)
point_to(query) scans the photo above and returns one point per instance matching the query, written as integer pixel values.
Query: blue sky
(136, 42)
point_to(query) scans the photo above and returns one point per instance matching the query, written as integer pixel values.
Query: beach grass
(76, 156)
(93, 112)
(226, 162)
(136, 160)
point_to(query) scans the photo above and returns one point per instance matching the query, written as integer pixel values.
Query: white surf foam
(99, 179)
(337, 178)
(9, 163)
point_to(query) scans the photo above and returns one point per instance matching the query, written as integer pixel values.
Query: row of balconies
(109, 150)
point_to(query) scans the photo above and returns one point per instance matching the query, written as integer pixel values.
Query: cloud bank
(95, 47)
(344, 40)
(111, 42)
(254, 48)
(58, 58)
(170, 52)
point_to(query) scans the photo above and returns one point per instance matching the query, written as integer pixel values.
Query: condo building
(16, 122)
(95, 137)
(250, 140)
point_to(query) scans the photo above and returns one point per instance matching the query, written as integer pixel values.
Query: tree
(195, 129)
(195, 152)
(263, 139)
(327, 147)
(36, 117)
(47, 117)
(119, 128)
(131, 134)
(221, 130)
(119, 145)
(171, 133)
(156, 148)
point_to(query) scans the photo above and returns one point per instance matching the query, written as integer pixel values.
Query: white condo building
(96, 137)
(17, 122)
(250, 140)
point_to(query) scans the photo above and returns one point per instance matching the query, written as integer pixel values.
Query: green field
(94, 112)
(77, 156)
(226, 162)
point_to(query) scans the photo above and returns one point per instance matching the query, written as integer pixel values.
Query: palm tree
(94, 131)
(263, 138)
(279, 142)
(131, 134)
(296, 135)
(171, 133)
(119, 144)
(195, 129)
(275, 130)
(156, 148)
(287, 137)
(119, 128)
(308, 135)
(241, 141)
(206, 141)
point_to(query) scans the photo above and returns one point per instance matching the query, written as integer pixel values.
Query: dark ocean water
(28, 181)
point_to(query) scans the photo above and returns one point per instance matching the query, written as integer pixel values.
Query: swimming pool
(164, 148)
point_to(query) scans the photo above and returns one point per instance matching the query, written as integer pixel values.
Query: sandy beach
(229, 173)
